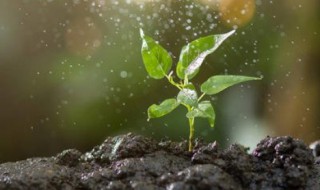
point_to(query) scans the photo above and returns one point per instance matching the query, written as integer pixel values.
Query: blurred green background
(71, 72)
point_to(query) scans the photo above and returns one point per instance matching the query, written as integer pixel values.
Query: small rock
(68, 157)
(204, 177)
(284, 150)
(315, 146)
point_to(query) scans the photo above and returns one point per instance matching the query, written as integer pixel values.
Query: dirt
(134, 162)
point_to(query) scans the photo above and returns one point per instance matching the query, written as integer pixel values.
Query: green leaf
(218, 83)
(204, 110)
(164, 108)
(193, 54)
(156, 59)
(188, 96)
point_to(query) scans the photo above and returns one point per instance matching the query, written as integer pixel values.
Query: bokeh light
(83, 36)
(236, 13)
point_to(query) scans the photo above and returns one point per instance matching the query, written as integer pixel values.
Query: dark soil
(135, 162)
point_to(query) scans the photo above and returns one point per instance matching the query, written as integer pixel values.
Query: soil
(134, 162)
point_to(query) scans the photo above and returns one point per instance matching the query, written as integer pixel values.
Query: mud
(135, 162)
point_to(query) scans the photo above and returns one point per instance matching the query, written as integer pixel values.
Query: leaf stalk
(191, 131)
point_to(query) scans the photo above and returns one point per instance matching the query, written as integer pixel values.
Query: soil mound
(134, 162)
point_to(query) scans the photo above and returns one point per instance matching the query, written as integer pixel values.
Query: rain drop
(123, 74)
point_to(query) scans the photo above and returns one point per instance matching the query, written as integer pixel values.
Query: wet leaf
(193, 54)
(156, 59)
(218, 83)
(164, 108)
(188, 96)
(204, 110)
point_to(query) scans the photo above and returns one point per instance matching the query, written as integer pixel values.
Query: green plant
(158, 62)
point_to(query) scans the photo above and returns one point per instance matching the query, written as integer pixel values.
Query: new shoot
(158, 63)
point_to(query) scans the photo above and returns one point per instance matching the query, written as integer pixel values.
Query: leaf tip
(141, 33)
(231, 32)
(228, 34)
(258, 78)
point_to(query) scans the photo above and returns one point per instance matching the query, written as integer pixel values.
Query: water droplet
(123, 74)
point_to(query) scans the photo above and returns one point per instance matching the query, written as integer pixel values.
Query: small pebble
(315, 146)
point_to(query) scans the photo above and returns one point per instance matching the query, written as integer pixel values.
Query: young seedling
(158, 62)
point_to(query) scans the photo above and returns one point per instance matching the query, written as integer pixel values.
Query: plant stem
(185, 81)
(171, 81)
(201, 96)
(191, 131)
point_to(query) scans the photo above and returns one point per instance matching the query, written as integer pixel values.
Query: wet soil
(134, 162)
